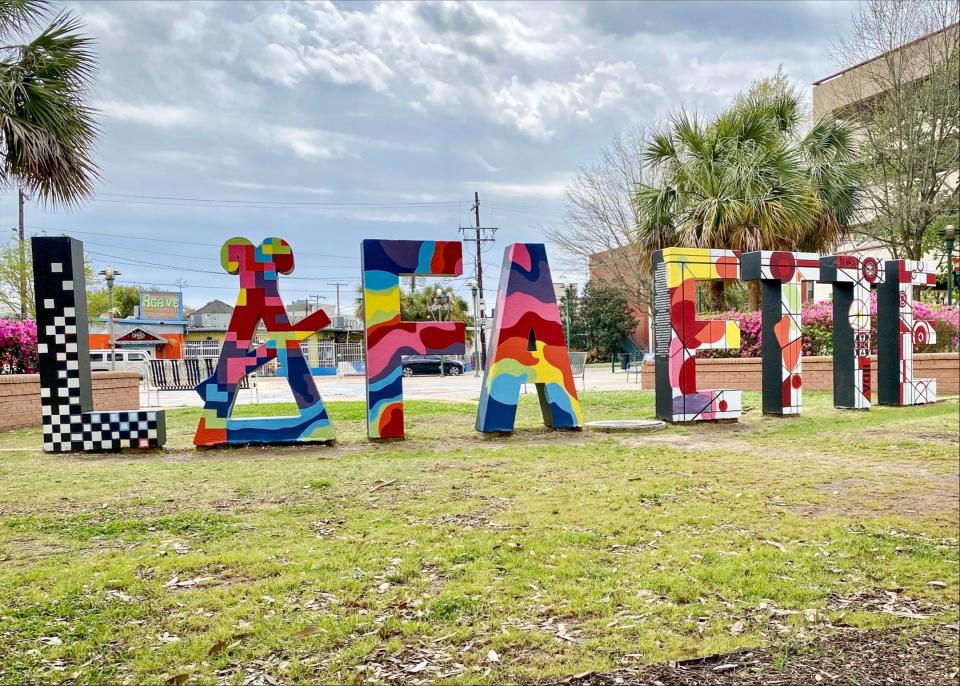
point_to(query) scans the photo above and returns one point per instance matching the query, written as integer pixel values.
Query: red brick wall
(745, 374)
(20, 396)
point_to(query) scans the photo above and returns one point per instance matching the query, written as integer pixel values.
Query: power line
(67, 231)
(419, 203)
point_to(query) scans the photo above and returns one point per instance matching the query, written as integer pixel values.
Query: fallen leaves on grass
(888, 601)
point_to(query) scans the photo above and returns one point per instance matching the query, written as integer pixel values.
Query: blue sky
(329, 123)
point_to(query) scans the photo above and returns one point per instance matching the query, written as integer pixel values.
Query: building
(208, 328)
(163, 339)
(621, 268)
(851, 91)
(842, 93)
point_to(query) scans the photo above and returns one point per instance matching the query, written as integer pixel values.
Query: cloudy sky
(331, 122)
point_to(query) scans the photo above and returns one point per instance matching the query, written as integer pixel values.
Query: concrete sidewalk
(275, 390)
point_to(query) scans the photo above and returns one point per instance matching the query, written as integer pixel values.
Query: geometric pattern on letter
(66, 395)
(679, 334)
(781, 275)
(899, 332)
(259, 299)
(528, 346)
(388, 339)
(851, 277)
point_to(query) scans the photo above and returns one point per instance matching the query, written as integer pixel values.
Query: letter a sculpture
(528, 346)
(259, 268)
(66, 395)
(899, 331)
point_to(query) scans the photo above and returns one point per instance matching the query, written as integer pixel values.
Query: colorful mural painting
(388, 339)
(852, 277)
(66, 390)
(781, 276)
(259, 268)
(899, 332)
(679, 333)
(527, 346)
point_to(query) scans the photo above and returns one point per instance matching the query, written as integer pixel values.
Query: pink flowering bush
(18, 347)
(817, 321)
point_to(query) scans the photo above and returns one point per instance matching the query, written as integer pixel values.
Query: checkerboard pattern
(66, 395)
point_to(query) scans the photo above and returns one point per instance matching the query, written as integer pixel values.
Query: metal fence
(320, 354)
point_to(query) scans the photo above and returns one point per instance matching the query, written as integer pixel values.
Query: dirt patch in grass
(883, 656)
(481, 517)
(936, 495)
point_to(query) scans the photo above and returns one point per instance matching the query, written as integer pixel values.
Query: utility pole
(337, 284)
(484, 234)
(23, 259)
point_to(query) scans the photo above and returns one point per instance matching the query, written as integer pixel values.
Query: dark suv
(430, 364)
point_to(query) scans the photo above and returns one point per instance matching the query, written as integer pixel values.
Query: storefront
(162, 340)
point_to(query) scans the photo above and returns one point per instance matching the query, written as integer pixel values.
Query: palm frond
(46, 129)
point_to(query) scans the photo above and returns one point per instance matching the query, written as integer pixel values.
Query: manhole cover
(631, 425)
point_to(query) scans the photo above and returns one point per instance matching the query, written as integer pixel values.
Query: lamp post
(570, 287)
(110, 274)
(949, 235)
(472, 284)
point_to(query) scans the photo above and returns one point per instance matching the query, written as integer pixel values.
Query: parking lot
(466, 387)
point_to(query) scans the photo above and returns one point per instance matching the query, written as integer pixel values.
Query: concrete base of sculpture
(627, 425)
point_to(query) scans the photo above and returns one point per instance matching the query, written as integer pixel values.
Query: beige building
(856, 88)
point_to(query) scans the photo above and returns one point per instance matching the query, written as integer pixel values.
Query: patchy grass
(448, 557)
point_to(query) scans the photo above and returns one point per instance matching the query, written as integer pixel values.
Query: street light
(110, 274)
(949, 235)
(472, 285)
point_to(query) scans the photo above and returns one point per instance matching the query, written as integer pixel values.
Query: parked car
(431, 364)
(121, 360)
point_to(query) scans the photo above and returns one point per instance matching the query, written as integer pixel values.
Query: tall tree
(607, 318)
(47, 131)
(125, 299)
(905, 104)
(750, 179)
(600, 217)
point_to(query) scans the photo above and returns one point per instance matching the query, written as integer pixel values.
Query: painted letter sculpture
(259, 268)
(781, 276)
(66, 395)
(679, 333)
(388, 339)
(527, 346)
(852, 278)
(898, 331)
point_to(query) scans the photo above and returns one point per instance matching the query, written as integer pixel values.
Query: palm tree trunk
(753, 295)
(718, 300)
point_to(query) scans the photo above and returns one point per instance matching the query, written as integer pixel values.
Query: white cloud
(552, 188)
(310, 143)
(280, 188)
(153, 114)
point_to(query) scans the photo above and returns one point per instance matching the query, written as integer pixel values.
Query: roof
(884, 54)
(215, 307)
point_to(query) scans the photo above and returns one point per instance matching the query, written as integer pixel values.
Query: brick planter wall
(745, 374)
(20, 396)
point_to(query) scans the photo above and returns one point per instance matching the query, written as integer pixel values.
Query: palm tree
(46, 130)
(749, 180)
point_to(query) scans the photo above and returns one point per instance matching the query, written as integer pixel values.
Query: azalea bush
(817, 321)
(18, 346)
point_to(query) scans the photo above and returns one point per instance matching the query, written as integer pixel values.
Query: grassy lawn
(448, 557)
